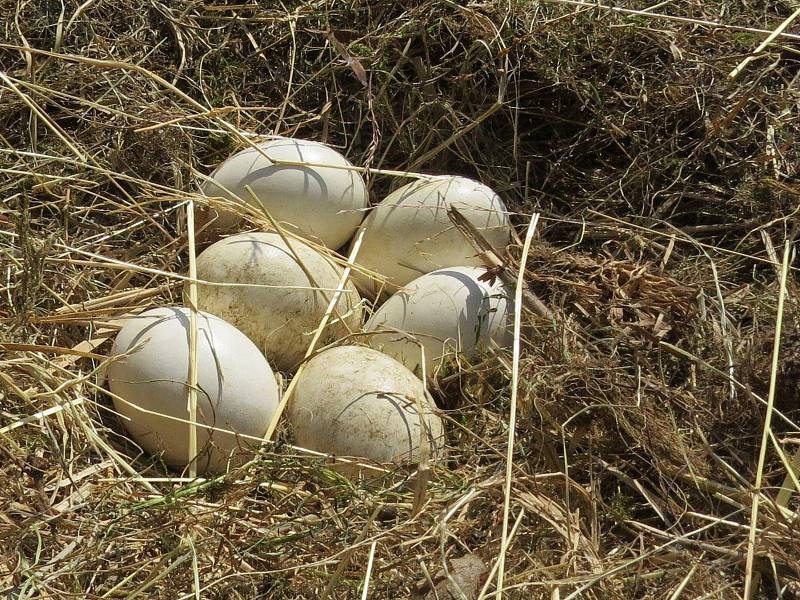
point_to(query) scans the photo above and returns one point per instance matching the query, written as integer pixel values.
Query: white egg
(323, 203)
(409, 233)
(448, 311)
(352, 401)
(237, 391)
(282, 317)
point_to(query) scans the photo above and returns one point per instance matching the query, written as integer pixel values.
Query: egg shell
(448, 311)
(409, 233)
(322, 203)
(353, 401)
(280, 319)
(237, 390)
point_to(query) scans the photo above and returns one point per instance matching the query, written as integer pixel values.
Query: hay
(666, 190)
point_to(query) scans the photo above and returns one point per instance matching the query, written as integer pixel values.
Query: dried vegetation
(666, 192)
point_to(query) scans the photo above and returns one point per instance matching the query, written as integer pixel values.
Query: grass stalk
(512, 419)
(751, 580)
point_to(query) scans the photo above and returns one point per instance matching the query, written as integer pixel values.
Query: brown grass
(666, 191)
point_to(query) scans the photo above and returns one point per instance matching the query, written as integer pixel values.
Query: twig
(778, 31)
(512, 420)
(337, 574)
(751, 582)
(423, 472)
(492, 259)
(370, 560)
(496, 564)
(192, 341)
(679, 19)
(685, 581)
(317, 334)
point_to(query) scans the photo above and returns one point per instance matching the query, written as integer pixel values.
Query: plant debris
(667, 191)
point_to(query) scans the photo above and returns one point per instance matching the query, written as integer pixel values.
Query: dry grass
(666, 191)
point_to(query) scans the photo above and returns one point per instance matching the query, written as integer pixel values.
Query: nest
(666, 192)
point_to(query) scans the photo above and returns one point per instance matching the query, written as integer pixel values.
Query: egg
(409, 233)
(448, 311)
(287, 292)
(236, 388)
(323, 203)
(353, 401)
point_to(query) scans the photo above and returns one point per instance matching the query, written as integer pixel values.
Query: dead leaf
(467, 575)
(351, 61)
(491, 275)
(565, 524)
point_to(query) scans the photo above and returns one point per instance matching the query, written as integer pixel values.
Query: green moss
(637, 20)
(360, 50)
(620, 507)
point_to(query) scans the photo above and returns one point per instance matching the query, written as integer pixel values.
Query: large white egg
(353, 401)
(448, 311)
(409, 233)
(236, 391)
(323, 203)
(296, 286)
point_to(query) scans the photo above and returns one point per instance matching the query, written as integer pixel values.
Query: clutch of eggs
(237, 393)
(322, 199)
(446, 312)
(287, 288)
(355, 402)
(410, 233)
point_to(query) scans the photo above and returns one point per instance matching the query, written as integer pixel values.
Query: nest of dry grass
(666, 191)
